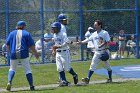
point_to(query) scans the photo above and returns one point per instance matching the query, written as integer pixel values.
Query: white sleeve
(65, 39)
(85, 41)
(86, 35)
(88, 39)
(128, 43)
(106, 36)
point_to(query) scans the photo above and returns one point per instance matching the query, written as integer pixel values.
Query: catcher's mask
(104, 56)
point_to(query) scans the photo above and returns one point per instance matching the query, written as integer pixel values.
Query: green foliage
(108, 11)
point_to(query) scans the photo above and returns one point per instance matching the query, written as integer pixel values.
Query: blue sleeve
(30, 40)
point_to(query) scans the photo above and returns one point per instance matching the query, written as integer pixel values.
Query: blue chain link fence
(39, 14)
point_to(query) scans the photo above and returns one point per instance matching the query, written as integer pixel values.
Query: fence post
(137, 29)
(81, 29)
(42, 27)
(7, 25)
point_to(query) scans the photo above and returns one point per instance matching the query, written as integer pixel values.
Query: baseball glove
(104, 56)
(54, 50)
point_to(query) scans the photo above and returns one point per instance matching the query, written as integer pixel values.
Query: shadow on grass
(37, 90)
(81, 84)
(111, 83)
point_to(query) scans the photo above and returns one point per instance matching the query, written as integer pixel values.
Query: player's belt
(61, 50)
(102, 49)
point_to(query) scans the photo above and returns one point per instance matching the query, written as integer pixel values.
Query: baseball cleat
(59, 81)
(85, 80)
(75, 78)
(109, 80)
(8, 86)
(32, 88)
(68, 82)
(63, 83)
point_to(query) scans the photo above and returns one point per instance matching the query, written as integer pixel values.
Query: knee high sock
(90, 73)
(30, 79)
(110, 74)
(11, 76)
(72, 71)
(62, 76)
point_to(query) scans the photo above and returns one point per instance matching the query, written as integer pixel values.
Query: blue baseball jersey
(19, 40)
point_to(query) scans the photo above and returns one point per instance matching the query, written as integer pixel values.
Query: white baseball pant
(63, 60)
(96, 60)
(25, 63)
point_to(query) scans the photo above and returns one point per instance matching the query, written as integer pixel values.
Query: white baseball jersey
(97, 38)
(61, 39)
(90, 43)
(38, 45)
(63, 28)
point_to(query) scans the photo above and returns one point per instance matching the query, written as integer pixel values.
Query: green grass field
(46, 74)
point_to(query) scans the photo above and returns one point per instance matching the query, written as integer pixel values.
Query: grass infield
(46, 74)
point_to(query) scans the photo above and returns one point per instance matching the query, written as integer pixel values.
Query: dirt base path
(56, 85)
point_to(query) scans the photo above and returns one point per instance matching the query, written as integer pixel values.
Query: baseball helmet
(62, 17)
(21, 23)
(56, 25)
(104, 56)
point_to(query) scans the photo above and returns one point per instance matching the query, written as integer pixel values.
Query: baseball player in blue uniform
(61, 49)
(100, 40)
(18, 43)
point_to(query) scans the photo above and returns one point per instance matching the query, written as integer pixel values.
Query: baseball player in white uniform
(38, 46)
(47, 47)
(62, 18)
(90, 43)
(4, 52)
(100, 40)
(62, 51)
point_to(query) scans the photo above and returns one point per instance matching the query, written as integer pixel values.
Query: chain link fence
(116, 15)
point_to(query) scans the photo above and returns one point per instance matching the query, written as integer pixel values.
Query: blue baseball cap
(21, 23)
(62, 17)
